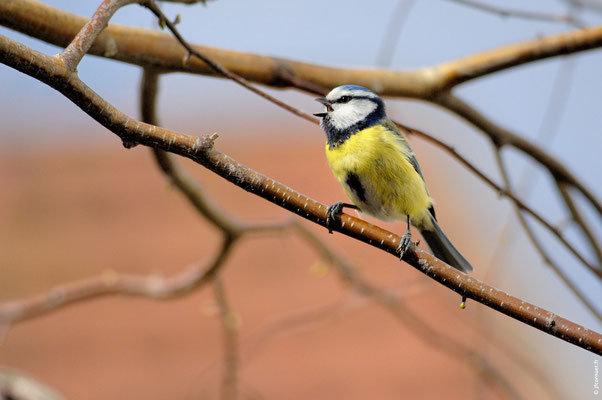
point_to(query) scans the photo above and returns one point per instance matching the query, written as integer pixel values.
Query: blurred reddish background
(70, 213)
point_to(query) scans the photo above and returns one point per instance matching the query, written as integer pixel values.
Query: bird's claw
(331, 214)
(404, 244)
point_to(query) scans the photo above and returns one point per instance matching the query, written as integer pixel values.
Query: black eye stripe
(347, 99)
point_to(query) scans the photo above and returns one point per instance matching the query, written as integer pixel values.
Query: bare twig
(501, 137)
(162, 51)
(284, 72)
(506, 192)
(533, 15)
(175, 173)
(112, 283)
(581, 222)
(16, 385)
(539, 247)
(82, 42)
(230, 327)
(48, 70)
(229, 322)
(413, 322)
(391, 36)
(243, 82)
(149, 95)
(150, 4)
(446, 147)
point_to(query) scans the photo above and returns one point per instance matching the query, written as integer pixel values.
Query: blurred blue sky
(349, 33)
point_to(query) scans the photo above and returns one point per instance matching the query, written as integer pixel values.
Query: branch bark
(29, 16)
(149, 48)
(51, 71)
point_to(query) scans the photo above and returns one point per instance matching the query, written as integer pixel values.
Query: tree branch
(149, 48)
(230, 327)
(82, 42)
(500, 137)
(507, 12)
(454, 349)
(539, 246)
(111, 283)
(493, 133)
(48, 70)
(286, 71)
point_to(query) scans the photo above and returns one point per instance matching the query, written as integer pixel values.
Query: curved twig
(501, 137)
(496, 136)
(525, 14)
(159, 50)
(539, 246)
(52, 72)
(112, 283)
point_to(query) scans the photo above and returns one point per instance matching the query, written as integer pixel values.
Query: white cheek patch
(348, 114)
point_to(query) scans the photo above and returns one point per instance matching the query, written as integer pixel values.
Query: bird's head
(350, 106)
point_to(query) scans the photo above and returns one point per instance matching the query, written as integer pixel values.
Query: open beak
(326, 104)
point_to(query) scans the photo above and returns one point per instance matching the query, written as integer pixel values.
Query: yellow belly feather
(393, 188)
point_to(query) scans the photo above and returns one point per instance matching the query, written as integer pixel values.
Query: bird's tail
(443, 248)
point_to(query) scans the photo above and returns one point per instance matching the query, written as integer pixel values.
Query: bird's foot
(404, 244)
(331, 214)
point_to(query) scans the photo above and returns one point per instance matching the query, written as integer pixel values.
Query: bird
(372, 160)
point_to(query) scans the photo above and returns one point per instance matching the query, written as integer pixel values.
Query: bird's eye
(344, 99)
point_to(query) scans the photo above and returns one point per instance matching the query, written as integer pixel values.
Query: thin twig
(159, 50)
(52, 72)
(539, 246)
(175, 173)
(581, 222)
(412, 321)
(112, 283)
(592, 5)
(446, 147)
(192, 192)
(82, 42)
(150, 4)
(397, 20)
(472, 168)
(229, 385)
(230, 327)
(501, 137)
(17, 385)
(533, 15)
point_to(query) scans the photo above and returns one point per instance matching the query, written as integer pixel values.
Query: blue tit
(373, 162)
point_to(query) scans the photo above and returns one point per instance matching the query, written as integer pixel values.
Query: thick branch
(503, 58)
(48, 70)
(496, 137)
(149, 48)
(28, 15)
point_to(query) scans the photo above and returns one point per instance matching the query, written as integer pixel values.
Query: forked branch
(53, 72)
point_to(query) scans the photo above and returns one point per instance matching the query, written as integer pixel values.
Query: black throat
(336, 137)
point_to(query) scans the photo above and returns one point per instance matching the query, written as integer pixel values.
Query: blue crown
(356, 87)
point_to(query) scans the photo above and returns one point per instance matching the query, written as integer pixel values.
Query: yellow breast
(379, 159)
